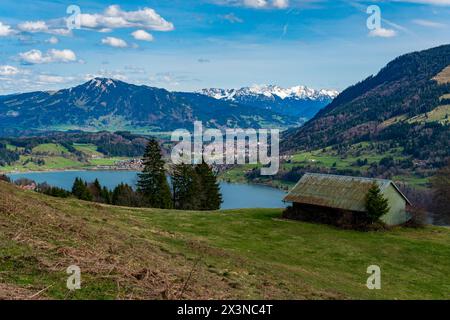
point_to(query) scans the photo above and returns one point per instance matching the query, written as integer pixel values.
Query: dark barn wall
(326, 215)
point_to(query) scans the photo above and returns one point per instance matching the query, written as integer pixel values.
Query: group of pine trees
(194, 187)
(122, 195)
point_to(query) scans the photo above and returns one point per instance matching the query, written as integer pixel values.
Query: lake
(235, 195)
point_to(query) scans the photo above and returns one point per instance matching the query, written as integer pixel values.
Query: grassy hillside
(360, 159)
(147, 253)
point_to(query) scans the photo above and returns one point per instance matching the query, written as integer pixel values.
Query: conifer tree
(210, 196)
(106, 195)
(376, 204)
(96, 189)
(441, 194)
(80, 190)
(124, 195)
(186, 187)
(77, 187)
(152, 182)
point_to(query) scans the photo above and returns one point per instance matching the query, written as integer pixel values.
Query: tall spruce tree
(210, 196)
(152, 182)
(95, 188)
(80, 190)
(106, 195)
(186, 187)
(77, 188)
(376, 204)
(441, 194)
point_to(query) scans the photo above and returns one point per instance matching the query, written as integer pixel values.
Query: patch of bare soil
(12, 292)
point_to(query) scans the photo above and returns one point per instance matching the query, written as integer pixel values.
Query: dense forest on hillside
(394, 106)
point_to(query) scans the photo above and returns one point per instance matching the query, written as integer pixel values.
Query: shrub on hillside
(376, 204)
(418, 217)
(52, 191)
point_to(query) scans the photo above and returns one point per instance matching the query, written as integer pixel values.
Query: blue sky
(188, 45)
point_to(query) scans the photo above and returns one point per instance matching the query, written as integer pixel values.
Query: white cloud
(428, 23)
(37, 57)
(41, 27)
(256, 4)
(232, 18)
(65, 55)
(383, 33)
(32, 57)
(6, 30)
(142, 35)
(8, 70)
(33, 26)
(114, 42)
(280, 3)
(52, 40)
(114, 17)
(53, 79)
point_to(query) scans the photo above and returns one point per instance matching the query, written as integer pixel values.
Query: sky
(187, 45)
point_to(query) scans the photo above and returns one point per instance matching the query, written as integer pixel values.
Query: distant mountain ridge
(297, 101)
(108, 104)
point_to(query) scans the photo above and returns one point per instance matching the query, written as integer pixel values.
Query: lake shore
(235, 195)
(64, 170)
(271, 184)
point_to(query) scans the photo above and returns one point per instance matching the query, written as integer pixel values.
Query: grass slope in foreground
(148, 253)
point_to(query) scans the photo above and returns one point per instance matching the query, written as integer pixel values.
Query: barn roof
(342, 192)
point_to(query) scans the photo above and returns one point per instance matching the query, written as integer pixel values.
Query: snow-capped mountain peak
(297, 101)
(271, 91)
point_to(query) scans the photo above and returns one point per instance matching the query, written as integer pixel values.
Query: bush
(418, 218)
(52, 191)
(124, 195)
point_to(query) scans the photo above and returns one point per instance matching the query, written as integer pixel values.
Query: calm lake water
(234, 195)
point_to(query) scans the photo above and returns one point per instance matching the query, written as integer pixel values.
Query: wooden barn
(328, 197)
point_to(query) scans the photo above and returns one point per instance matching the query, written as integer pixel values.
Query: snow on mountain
(298, 102)
(271, 91)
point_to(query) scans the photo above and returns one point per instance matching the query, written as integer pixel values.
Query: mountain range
(108, 104)
(406, 105)
(297, 101)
